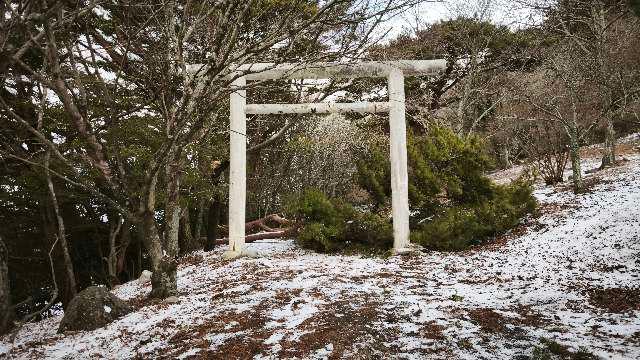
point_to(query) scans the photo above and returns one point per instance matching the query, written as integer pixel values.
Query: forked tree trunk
(163, 267)
(5, 294)
(164, 277)
(609, 157)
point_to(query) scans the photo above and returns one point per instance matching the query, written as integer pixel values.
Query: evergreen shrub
(459, 227)
(453, 204)
(329, 226)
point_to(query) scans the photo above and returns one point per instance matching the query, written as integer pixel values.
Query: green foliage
(441, 165)
(453, 203)
(374, 175)
(454, 39)
(331, 226)
(459, 227)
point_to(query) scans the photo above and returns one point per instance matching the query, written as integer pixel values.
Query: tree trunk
(609, 157)
(574, 153)
(506, 158)
(262, 223)
(164, 279)
(68, 264)
(172, 214)
(163, 266)
(164, 259)
(188, 242)
(125, 240)
(112, 259)
(197, 231)
(213, 220)
(5, 296)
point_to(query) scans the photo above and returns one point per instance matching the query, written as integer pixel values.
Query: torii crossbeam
(394, 71)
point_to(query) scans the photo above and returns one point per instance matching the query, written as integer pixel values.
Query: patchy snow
(496, 301)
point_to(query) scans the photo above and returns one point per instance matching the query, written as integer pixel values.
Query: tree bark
(609, 157)
(269, 233)
(506, 158)
(6, 314)
(574, 154)
(172, 212)
(112, 259)
(125, 240)
(197, 231)
(164, 279)
(163, 266)
(262, 223)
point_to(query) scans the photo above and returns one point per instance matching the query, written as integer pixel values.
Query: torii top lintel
(331, 70)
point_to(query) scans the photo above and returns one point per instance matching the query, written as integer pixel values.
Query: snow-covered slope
(567, 276)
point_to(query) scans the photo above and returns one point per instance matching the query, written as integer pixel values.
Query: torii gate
(394, 71)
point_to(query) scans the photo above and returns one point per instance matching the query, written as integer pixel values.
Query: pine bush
(330, 226)
(453, 204)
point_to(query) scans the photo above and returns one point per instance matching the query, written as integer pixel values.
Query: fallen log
(263, 223)
(259, 236)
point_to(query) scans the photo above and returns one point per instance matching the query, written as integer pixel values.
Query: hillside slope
(566, 283)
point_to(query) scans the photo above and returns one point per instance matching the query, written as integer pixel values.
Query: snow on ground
(571, 276)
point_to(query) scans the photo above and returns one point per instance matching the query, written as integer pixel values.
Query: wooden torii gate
(394, 71)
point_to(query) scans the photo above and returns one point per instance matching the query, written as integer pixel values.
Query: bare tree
(603, 35)
(545, 144)
(554, 92)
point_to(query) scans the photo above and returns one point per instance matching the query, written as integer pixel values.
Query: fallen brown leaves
(615, 300)
(341, 324)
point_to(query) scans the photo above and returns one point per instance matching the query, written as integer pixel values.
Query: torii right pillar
(398, 160)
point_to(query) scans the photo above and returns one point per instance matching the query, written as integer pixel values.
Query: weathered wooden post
(237, 166)
(398, 160)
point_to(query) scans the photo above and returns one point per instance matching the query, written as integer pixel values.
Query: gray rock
(250, 252)
(145, 277)
(94, 307)
(172, 300)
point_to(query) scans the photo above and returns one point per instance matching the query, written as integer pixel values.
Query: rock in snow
(145, 277)
(172, 300)
(92, 308)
